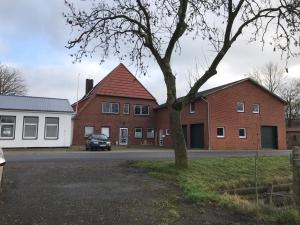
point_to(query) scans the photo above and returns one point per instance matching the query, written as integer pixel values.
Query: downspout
(208, 123)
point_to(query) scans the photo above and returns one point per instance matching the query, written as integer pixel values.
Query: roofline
(227, 86)
(31, 110)
(28, 96)
(119, 96)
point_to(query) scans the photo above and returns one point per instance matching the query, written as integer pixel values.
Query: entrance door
(123, 136)
(269, 137)
(197, 135)
(184, 130)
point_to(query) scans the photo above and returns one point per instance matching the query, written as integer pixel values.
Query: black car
(98, 142)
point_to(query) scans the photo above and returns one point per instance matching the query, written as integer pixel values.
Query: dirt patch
(98, 192)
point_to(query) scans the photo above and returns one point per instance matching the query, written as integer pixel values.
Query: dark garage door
(197, 136)
(269, 137)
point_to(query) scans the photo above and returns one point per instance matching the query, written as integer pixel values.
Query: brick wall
(92, 116)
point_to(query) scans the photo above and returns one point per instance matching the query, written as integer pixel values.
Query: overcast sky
(33, 34)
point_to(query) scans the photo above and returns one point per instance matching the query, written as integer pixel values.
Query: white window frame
(168, 132)
(88, 127)
(14, 128)
(237, 107)
(108, 131)
(152, 132)
(110, 107)
(258, 107)
(30, 124)
(221, 136)
(245, 132)
(135, 132)
(54, 125)
(126, 113)
(141, 110)
(192, 111)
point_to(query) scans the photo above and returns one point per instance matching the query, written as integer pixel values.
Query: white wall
(64, 135)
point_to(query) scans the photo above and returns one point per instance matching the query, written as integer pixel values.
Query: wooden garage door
(269, 137)
(197, 136)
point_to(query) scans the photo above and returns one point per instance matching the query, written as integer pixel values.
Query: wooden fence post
(296, 175)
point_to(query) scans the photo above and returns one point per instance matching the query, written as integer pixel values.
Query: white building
(35, 122)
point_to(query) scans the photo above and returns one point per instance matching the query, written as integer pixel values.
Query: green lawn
(206, 178)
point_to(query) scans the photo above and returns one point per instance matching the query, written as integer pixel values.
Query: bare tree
(271, 76)
(291, 94)
(11, 81)
(154, 28)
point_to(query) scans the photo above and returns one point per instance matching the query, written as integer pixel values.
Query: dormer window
(240, 107)
(192, 107)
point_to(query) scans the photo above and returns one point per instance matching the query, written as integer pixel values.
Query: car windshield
(99, 137)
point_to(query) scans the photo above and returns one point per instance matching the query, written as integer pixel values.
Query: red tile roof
(122, 83)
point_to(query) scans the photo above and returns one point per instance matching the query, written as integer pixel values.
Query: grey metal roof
(28, 103)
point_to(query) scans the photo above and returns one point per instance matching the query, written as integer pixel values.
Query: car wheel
(109, 148)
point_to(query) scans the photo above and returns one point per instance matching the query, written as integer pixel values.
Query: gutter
(208, 122)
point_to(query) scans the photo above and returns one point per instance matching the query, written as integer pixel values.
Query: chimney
(89, 84)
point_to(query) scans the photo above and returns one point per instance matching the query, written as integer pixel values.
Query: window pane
(192, 107)
(105, 107)
(138, 133)
(126, 109)
(150, 133)
(51, 131)
(30, 131)
(242, 132)
(31, 120)
(51, 120)
(145, 110)
(7, 119)
(255, 108)
(137, 109)
(88, 131)
(240, 107)
(115, 108)
(7, 131)
(105, 131)
(220, 131)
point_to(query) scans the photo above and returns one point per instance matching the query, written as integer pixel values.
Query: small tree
(271, 76)
(11, 82)
(154, 28)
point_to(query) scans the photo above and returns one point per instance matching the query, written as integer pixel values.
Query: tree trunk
(178, 138)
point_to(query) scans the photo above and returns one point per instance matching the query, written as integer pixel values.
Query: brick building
(239, 115)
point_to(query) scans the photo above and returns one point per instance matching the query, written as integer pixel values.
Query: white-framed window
(255, 108)
(109, 107)
(30, 127)
(220, 132)
(240, 107)
(105, 131)
(141, 110)
(51, 127)
(242, 133)
(7, 127)
(150, 132)
(126, 109)
(192, 107)
(168, 132)
(88, 130)
(138, 132)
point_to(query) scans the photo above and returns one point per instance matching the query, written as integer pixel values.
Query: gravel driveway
(98, 192)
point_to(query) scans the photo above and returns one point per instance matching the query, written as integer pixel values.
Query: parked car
(98, 142)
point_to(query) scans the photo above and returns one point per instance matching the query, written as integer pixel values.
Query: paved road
(14, 156)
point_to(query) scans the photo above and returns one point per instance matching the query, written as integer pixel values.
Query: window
(126, 108)
(30, 127)
(7, 127)
(240, 107)
(168, 132)
(192, 107)
(141, 110)
(51, 128)
(150, 133)
(220, 132)
(105, 131)
(108, 107)
(138, 133)
(88, 131)
(242, 133)
(255, 108)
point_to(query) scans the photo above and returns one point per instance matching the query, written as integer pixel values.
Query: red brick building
(239, 115)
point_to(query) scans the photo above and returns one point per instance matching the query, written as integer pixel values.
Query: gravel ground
(87, 192)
